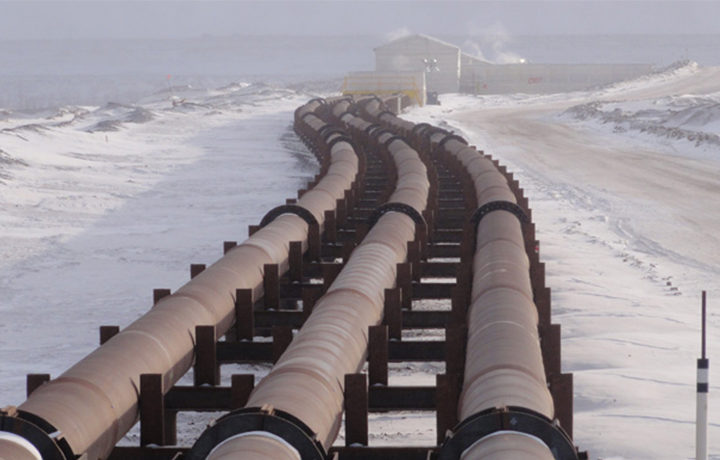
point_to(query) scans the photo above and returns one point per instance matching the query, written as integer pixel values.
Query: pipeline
(505, 397)
(296, 410)
(505, 407)
(92, 405)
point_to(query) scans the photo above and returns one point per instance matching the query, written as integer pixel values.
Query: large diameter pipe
(503, 365)
(311, 106)
(340, 177)
(308, 379)
(377, 110)
(16, 447)
(259, 446)
(504, 445)
(95, 402)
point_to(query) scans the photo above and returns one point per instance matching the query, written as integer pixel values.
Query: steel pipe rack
(306, 385)
(92, 405)
(395, 205)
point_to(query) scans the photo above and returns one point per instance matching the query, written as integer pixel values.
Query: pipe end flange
(42, 436)
(253, 419)
(513, 419)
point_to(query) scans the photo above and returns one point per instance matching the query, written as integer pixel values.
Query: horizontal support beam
(392, 398)
(439, 269)
(443, 250)
(380, 398)
(432, 290)
(198, 399)
(412, 319)
(382, 453)
(448, 235)
(405, 351)
(148, 453)
(343, 453)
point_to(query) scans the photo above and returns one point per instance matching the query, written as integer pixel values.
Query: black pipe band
(347, 112)
(385, 112)
(396, 207)
(517, 419)
(451, 137)
(379, 132)
(328, 130)
(37, 432)
(487, 208)
(343, 137)
(306, 215)
(371, 127)
(372, 97)
(436, 130)
(302, 117)
(420, 126)
(393, 138)
(276, 422)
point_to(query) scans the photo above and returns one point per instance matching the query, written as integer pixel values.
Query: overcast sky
(178, 19)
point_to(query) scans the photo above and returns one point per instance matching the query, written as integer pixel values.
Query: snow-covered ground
(627, 212)
(99, 205)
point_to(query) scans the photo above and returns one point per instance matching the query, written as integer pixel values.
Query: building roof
(416, 37)
(469, 59)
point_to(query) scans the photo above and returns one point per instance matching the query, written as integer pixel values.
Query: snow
(93, 221)
(692, 119)
(626, 220)
(101, 204)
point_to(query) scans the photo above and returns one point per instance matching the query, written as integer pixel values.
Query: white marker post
(703, 367)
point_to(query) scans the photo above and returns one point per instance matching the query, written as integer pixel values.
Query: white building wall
(545, 78)
(409, 54)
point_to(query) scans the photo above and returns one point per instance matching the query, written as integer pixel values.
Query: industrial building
(440, 61)
(446, 69)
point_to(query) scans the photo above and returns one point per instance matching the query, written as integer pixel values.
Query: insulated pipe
(259, 446)
(377, 111)
(340, 107)
(507, 444)
(307, 380)
(16, 447)
(503, 366)
(94, 403)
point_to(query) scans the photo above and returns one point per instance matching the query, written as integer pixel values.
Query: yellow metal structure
(384, 84)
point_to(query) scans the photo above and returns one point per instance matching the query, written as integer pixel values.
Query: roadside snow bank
(687, 120)
(675, 71)
(627, 231)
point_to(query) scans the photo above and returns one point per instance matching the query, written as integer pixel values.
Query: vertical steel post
(703, 368)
